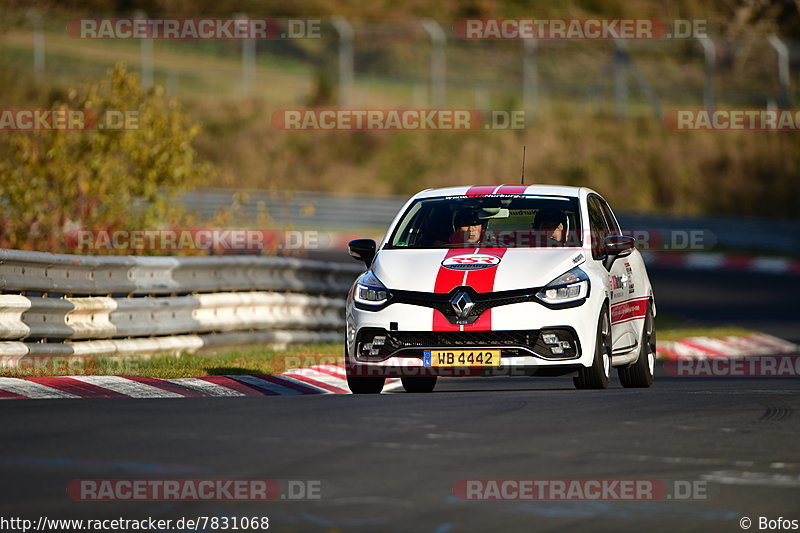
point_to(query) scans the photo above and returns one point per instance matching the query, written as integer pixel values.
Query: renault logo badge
(462, 304)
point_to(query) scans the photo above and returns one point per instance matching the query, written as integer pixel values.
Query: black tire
(597, 375)
(368, 385)
(640, 374)
(362, 384)
(425, 384)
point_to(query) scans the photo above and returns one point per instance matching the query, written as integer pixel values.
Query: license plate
(461, 358)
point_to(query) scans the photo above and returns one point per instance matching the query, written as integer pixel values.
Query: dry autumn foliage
(52, 182)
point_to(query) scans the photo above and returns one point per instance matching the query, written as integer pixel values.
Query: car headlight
(568, 287)
(370, 290)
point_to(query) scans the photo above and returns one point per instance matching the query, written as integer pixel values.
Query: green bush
(52, 182)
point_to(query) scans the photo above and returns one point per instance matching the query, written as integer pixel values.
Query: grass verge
(674, 327)
(247, 360)
(674, 334)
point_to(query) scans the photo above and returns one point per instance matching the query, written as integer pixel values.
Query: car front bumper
(516, 330)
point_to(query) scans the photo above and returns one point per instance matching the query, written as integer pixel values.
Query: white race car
(500, 280)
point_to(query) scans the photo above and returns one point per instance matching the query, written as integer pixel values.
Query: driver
(552, 224)
(467, 228)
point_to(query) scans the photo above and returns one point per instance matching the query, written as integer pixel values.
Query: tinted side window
(612, 221)
(597, 225)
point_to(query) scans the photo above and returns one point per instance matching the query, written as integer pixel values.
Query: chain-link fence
(422, 64)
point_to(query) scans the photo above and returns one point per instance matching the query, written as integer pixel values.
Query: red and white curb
(714, 261)
(321, 379)
(318, 379)
(725, 347)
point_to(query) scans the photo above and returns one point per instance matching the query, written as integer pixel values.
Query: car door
(603, 224)
(637, 292)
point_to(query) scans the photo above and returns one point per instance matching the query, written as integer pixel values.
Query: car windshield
(495, 221)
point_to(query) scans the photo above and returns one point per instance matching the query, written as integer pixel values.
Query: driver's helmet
(467, 217)
(549, 218)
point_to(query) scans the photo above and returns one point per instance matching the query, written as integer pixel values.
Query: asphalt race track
(389, 463)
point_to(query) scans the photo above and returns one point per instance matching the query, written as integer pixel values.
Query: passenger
(551, 224)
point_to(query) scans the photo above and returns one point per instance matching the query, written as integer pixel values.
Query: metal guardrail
(77, 305)
(129, 275)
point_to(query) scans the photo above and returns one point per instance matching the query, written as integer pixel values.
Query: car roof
(483, 190)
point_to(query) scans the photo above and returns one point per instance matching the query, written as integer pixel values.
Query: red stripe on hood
(480, 280)
(483, 281)
(446, 280)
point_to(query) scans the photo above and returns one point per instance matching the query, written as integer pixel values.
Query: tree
(52, 182)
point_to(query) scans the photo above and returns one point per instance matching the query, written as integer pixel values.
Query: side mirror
(363, 250)
(616, 246)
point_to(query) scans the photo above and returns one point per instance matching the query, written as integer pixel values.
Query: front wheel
(426, 384)
(640, 373)
(597, 375)
(368, 385)
(361, 384)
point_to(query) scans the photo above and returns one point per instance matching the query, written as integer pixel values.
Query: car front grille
(483, 301)
(477, 339)
(510, 343)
